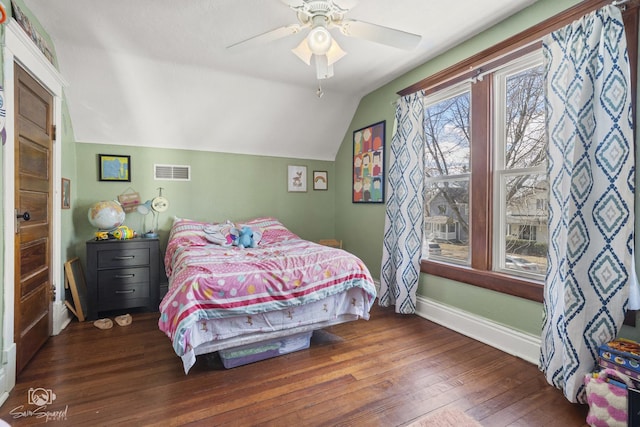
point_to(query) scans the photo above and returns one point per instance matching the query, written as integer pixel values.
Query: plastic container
(242, 355)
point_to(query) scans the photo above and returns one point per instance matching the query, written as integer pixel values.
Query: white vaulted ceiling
(156, 73)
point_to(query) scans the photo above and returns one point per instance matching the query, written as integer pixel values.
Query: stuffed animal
(122, 233)
(245, 239)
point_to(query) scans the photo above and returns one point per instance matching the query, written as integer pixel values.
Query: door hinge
(53, 132)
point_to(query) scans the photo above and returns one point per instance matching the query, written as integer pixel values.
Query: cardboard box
(238, 356)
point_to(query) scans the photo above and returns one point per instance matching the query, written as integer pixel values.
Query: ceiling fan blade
(345, 4)
(293, 3)
(379, 34)
(267, 37)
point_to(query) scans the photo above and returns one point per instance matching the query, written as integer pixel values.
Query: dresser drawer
(122, 289)
(122, 276)
(124, 296)
(123, 257)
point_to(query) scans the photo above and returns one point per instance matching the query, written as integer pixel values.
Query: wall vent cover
(172, 172)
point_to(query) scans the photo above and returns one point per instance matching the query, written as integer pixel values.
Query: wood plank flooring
(387, 371)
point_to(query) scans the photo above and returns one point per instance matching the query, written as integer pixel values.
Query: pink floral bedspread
(209, 281)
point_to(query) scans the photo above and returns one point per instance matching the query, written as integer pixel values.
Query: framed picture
(368, 164)
(320, 180)
(297, 179)
(114, 167)
(66, 193)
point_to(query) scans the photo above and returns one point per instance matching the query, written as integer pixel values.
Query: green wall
(223, 186)
(361, 226)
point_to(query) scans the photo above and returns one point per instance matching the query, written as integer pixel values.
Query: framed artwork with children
(368, 164)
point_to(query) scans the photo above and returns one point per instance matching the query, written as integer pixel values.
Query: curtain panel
(404, 218)
(591, 195)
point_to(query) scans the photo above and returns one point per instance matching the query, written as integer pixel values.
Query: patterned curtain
(591, 207)
(404, 220)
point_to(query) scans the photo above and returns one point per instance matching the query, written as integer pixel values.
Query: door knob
(25, 216)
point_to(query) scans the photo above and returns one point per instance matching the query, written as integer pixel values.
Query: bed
(221, 297)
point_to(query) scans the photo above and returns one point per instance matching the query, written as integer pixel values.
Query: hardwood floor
(387, 371)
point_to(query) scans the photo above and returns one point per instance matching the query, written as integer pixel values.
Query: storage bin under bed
(255, 352)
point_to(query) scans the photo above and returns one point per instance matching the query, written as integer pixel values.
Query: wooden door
(33, 191)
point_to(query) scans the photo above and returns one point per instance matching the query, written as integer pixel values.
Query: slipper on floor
(124, 320)
(103, 323)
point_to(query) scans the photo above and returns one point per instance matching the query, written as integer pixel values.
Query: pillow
(221, 234)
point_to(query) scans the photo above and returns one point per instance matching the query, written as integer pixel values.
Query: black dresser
(122, 274)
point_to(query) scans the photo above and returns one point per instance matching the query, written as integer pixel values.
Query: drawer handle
(130, 291)
(125, 276)
(122, 258)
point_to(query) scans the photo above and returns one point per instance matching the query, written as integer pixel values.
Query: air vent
(172, 172)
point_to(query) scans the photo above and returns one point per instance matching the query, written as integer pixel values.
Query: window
(520, 164)
(486, 203)
(516, 121)
(447, 172)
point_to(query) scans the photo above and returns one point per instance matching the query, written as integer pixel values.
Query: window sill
(492, 280)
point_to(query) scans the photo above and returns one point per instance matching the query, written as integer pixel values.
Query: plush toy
(122, 233)
(245, 239)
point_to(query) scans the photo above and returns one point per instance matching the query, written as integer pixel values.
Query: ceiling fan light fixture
(324, 70)
(303, 52)
(319, 40)
(335, 53)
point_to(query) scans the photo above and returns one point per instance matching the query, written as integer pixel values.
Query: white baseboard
(7, 372)
(523, 345)
(61, 317)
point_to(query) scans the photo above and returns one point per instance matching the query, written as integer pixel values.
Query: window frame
(480, 271)
(435, 98)
(500, 171)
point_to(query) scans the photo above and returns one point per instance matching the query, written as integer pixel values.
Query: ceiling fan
(321, 16)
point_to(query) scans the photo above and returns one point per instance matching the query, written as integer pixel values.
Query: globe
(106, 215)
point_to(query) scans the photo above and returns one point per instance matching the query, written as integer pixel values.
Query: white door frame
(19, 48)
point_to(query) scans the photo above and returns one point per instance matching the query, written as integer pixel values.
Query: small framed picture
(114, 168)
(320, 180)
(66, 193)
(297, 179)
